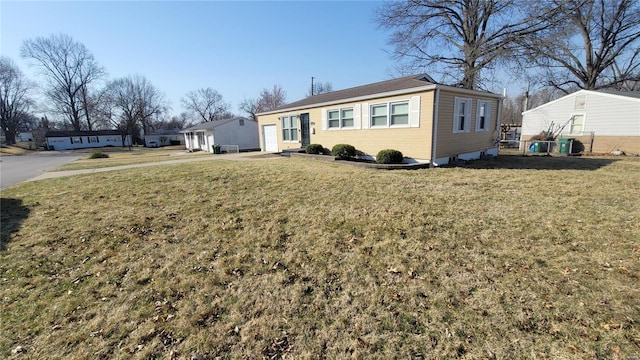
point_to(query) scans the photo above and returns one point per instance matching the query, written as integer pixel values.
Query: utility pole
(312, 86)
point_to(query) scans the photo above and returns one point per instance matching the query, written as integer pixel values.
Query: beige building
(426, 121)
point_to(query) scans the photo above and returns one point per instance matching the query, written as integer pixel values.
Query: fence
(547, 147)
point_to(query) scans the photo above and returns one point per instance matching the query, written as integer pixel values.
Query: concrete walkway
(248, 156)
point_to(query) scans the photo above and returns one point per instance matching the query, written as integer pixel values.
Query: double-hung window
(390, 114)
(484, 114)
(462, 115)
(290, 128)
(340, 118)
(379, 115)
(577, 124)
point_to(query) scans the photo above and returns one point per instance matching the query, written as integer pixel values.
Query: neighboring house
(239, 131)
(603, 121)
(164, 138)
(427, 122)
(66, 140)
(25, 136)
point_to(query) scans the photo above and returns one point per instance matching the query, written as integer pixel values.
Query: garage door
(270, 138)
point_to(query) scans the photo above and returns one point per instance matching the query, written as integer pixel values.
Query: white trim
(414, 112)
(587, 92)
(487, 115)
(467, 115)
(434, 129)
(340, 119)
(357, 119)
(365, 116)
(325, 123)
(573, 117)
(389, 104)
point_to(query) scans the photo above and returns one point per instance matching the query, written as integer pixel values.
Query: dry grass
(18, 149)
(123, 156)
(511, 258)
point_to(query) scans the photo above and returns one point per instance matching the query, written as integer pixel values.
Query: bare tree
(14, 99)
(320, 88)
(271, 99)
(179, 122)
(250, 106)
(459, 38)
(130, 104)
(207, 103)
(596, 46)
(70, 69)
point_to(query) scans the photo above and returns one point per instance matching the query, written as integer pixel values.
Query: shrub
(98, 155)
(389, 156)
(314, 149)
(343, 151)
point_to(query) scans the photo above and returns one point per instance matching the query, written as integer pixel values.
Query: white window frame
(572, 124)
(341, 118)
(457, 116)
(289, 124)
(389, 105)
(486, 115)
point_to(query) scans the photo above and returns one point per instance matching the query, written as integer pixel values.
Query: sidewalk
(248, 156)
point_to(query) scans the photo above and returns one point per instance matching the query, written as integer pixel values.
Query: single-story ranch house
(67, 140)
(238, 131)
(427, 122)
(604, 121)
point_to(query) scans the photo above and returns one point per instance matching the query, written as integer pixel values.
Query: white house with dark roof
(237, 132)
(603, 121)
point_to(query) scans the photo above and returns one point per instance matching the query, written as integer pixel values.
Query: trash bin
(565, 145)
(216, 149)
(536, 147)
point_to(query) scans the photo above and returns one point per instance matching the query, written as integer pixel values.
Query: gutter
(434, 130)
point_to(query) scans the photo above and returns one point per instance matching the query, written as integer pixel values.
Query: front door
(304, 129)
(270, 136)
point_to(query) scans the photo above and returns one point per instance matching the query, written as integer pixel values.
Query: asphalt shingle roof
(402, 83)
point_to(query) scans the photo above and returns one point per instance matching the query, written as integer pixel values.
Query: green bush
(343, 151)
(98, 155)
(389, 156)
(314, 149)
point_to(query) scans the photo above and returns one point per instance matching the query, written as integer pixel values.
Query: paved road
(15, 169)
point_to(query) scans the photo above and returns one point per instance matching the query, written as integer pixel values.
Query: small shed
(237, 133)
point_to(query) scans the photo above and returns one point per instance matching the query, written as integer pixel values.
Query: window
(400, 114)
(334, 119)
(580, 103)
(241, 122)
(346, 116)
(484, 115)
(577, 124)
(461, 115)
(340, 118)
(76, 140)
(92, 139)
(390, 114)
(290, 128)
(379, 115)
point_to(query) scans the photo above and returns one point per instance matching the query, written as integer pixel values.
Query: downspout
(434, 130)
(499, 124)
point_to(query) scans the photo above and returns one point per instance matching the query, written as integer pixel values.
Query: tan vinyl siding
(274, 119)
(607, 144)
(414, 142)
(452, 144)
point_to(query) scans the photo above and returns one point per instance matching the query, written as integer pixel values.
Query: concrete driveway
(19, 168)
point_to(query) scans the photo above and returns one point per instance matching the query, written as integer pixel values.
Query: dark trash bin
(565, 145)
(216, 149)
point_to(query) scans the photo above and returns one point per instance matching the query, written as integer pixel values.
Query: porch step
(288, 152)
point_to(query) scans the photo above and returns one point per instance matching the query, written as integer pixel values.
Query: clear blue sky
(237, 48)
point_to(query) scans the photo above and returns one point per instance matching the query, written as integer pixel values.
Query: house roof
(210, 125)
(391, 87)
(627, 95)
(81, 133)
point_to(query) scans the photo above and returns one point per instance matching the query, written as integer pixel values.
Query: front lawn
(509, 258)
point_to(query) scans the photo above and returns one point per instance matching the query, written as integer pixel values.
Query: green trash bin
(565, 145)
(216, 149)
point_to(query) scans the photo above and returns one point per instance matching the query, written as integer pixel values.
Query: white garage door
(270, 138)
